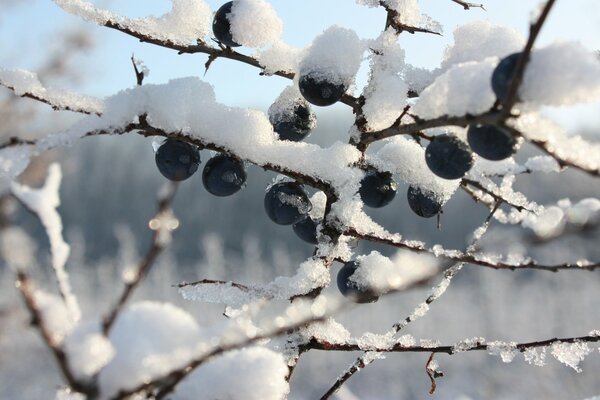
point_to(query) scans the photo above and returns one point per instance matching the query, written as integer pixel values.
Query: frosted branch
(43, 203)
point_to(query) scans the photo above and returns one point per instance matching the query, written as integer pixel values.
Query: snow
(254, 23)
(562, 73)
(254, 373)
(44, 203)
(463, 89)
(335, 55)
(55, 316)
(406, 158)
(87, 349)
(570, 354)
(574, 149)
(506, 351)
(17, 248)
(13, 161)
(548, 224)
(186, 22)
(385, 94)
(467, 344)
(311, 274)
(329, 331)
(27, 83)
(478, 40)
(383, 274)
(279, 57)
(535, 356)
(158, 329)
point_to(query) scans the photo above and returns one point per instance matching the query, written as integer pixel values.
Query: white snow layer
(44, 203)
(186, 22)
(463, 88)
(571, 354)
(385, 94)
(383, 274)
(143, 333)
(478, 40)
(254, 373)
(87, 349)
(334, 55)
(254, 23)
(562, 73)
(25, 82)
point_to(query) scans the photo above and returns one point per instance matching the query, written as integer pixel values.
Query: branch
(315, 344)
(166, 383)
(474, 259)
(26, 84)
(156, 248)
(25, 287)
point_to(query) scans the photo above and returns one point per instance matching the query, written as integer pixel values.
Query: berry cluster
(287, 203)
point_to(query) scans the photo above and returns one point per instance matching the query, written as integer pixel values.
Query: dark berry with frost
(423, 203)
(319, 91)
(350, 289)
(221, 25)
(377, 189)
(295, 124)
(177, 160)
(287, 203)
(491, 142)
(503, 74)
(448, 157)
(306, 229)
(223, 175)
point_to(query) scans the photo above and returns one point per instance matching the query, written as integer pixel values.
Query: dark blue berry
(319, 91)
(177, 160)
(377, 189)
(287, 203)
(296, 126)
(491, 142)
(222, 26)
(306, 230)
(448, 157)
(349, 288)
(503, 74)
(223, 175)
(424, 204)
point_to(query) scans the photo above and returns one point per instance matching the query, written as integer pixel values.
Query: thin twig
(519, 71)
(468, 6)
(144, 266)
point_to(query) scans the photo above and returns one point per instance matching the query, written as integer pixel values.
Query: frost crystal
(535, 356)
(467, 344)
(571, 354)
(506, 351)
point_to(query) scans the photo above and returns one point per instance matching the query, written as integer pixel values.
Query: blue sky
(31, 27)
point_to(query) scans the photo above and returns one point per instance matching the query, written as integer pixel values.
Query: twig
(474, 259)
(468, 6)
(55, 107)
(432, 373)
(139, 76)
(517, 77)
(144, 266)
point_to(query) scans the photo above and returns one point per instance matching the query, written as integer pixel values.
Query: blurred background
(110, 183)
